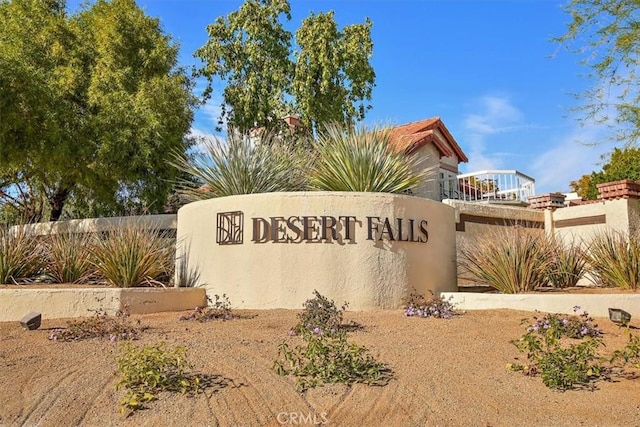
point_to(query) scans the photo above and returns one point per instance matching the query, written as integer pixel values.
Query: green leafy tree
(90, 105)
(326, 78)
(250, 50)
(622, 164)
(608, 36)
(333, 76)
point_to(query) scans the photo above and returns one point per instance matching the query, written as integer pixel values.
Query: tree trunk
(56, 202)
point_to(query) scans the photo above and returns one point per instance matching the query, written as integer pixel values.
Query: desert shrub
(576, 326)
(630, 353)
(325, 356)
(147, 370)
(20, 255)
(614, 259)
(564, 368)
(361, 159)
(220, 309)
(129, 256)
(512, 260)
(567, 263)
(329, 359)
(68, 257)
(187, 277)
(320, 315)
(101, 325)
(418, 305)
(239, 165)
(562, 365)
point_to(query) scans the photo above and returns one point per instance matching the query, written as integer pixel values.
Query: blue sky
(487, 68)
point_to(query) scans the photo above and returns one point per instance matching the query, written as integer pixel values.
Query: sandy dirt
(447, 373)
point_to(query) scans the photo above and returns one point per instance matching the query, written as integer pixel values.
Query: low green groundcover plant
(148, 370)
(563, 350)
(330, 359)
(630, 354)
(561, 365)
(419, 306)
(101, 325)
(325, 355)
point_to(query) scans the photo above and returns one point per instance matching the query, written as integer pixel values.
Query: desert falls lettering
(340, 229)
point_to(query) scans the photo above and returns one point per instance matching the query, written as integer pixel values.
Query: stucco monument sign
(272, 250)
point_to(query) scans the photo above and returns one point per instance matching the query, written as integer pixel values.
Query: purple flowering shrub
(417, 305)
(563, 350)
(218, 310)
(552, 351)
(116, 328)
(320, 315)
(572, 326)
(325, 355)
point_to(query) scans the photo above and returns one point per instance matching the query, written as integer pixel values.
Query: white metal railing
(489, 185)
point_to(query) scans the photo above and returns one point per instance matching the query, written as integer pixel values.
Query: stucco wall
(84, 302)
(595, 305)
(95, 225)
(430, 186)
(582, 222)
(481, 220)
(345, 266)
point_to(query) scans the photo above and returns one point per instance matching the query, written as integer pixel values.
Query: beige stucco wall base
(368, 274)
(83, 302)
(595, 304)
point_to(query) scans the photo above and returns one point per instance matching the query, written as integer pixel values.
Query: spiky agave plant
(132, 255)
(567, 262)
(20, 254)
(68, 257)
(511, 261)
(614, 258)
(362, 159)
(243, 165)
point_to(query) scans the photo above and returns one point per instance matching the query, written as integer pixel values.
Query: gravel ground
(447, 373)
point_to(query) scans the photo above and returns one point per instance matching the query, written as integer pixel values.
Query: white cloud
(579, 151)
(496, 115)
(568, 159)
(211, 111)
(207, 115)
(201, 138)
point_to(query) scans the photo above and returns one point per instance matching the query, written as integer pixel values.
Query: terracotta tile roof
(411, 136)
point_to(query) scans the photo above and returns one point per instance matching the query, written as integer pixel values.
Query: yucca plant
(68, 257)
(614, 258)
(567, 262)
(186, 276)
(512, 260)
(130, 256)
(20, 254)
(361, 159)
(243, 165)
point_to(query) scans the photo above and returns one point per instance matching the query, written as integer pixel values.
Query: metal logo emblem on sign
(230, 225)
